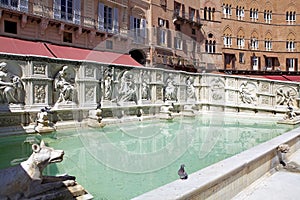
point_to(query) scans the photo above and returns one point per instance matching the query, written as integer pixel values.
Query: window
(108, 18)
(138, 29)
(291, 17)
(10, 27)
(254, 44)
(192, 14)
(227, 41)
(193, 31)
(240, 13)
(210, 46)
(209, 13)
(178, 43)
(268, 16)
(21, 5)
(109, 44)
(290, 45)
(240, 42)
(67, 37)
(163, 23)
(255, 62)
(177, 27)
(163, 37)
(253, 14)
(268, 45)
(227, 10)
(108, 21)
(67, 10)
(291, 64)
(177, 8)
(241, 58)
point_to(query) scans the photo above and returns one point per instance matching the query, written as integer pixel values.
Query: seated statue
(63, 86)
(26, 180)
(11, 86)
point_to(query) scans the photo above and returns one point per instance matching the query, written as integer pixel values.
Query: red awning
(292, 78)
(284, 78)
(73, 53)
(278, 78)
(22, 47)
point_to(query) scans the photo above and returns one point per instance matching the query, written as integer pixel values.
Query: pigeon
(182, 173)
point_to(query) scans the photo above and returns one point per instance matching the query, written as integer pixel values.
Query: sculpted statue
(127, 90)
(63, 86)
(108, 84)
(190, 88)
(11, 86)
(170, 90)
(26, 180)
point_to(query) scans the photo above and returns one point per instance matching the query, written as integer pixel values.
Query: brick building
(189, 35)
(260, 35)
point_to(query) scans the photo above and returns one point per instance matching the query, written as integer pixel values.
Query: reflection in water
(136, 157)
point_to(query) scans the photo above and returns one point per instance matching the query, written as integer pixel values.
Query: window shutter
(77, 11)
(101, 16)
(287, 64)
(259, 63)
(116, 20)
(143, 28)
(57, 9)
(296, 64)
(24, 6)
(169, 39)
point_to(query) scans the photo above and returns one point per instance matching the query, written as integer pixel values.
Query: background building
(182, 35)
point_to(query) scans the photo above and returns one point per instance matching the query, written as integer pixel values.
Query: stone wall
(72, 88)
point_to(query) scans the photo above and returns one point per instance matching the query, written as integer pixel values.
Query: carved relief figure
(190, 89)
(108, 84)
(217, 89)
(11, 86)
(170, 90)
(127, 89)
(248, 92)
(145, 86)
(285, 96)
(63, 86)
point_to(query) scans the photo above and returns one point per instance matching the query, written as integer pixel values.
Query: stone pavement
(282, 183)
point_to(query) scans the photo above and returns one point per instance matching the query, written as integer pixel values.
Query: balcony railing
(195, 21)
(50, 13)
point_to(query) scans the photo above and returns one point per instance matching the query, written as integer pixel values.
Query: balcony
(186, 19)
(40, 12)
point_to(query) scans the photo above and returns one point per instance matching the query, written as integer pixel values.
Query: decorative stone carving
(190, 89)
(127, 88)
(63, 84)
(26, 180)
(39, 69)
(285, 96)
(90, 93)
(43, 124)
(11, 87)
(248, 92)
(170, 89)
(39, 93)
(108, 83)
(89, 72)
(217, 89)
(146, 95)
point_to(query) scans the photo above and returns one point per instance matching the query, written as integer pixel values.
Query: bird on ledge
(182, 173)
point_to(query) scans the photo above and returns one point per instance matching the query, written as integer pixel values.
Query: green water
(125, 160)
